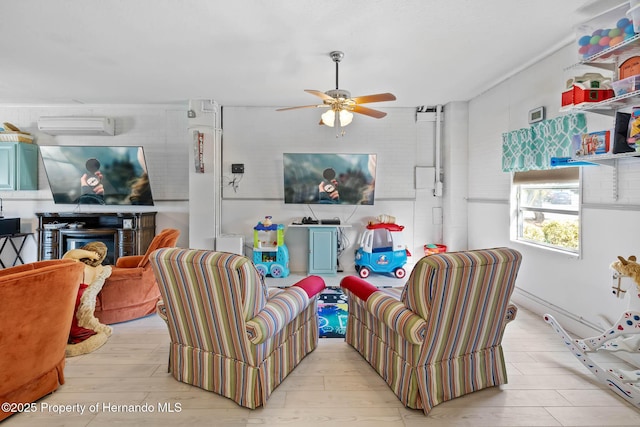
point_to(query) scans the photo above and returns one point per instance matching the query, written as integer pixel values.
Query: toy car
(382, 250)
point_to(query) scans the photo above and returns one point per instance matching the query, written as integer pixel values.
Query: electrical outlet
(237, 168)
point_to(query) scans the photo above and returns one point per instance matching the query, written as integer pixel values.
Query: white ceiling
(266, 52)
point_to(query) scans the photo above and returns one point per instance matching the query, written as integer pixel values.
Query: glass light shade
(345, 117)
(329, 118)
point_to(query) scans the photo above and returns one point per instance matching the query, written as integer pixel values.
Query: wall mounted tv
(104, 175)
(347, 179)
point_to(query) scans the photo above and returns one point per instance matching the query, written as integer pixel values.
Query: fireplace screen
(77, 239)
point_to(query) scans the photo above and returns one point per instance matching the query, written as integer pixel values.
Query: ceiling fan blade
(301, 106)
(380, 97)
(319, 94)
(369, 112)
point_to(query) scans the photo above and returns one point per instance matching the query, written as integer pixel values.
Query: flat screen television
(347, 179)
(104, 175)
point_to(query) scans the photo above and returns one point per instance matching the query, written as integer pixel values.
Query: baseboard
(573, 323)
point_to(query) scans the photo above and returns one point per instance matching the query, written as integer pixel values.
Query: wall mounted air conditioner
(77, 125)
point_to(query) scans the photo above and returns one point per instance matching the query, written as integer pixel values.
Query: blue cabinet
(323, 250)
(18, 166)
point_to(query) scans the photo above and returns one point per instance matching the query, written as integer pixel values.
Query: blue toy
(382, 250)
(270, 254)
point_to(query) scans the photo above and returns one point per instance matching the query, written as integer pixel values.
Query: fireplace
(77, 238)
(124, 233)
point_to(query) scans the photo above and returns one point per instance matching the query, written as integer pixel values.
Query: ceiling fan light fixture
(329, 117)
(345, 117)
(341, 104)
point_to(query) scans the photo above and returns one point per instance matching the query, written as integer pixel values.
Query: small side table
(323, 247)
(21, 238)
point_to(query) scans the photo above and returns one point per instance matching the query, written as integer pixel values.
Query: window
(382, 240)
(547, 208)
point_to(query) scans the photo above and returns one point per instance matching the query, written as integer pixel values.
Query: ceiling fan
(340, 104)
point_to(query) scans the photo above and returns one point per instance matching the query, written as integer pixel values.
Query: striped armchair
(230, 334)
(438, 337)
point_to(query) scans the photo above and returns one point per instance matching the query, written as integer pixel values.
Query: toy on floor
(382, 249)
(332, 313)
(270, 254)
(624, 335)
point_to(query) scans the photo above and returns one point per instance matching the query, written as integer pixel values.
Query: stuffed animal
(386, 219)
(267, 221)
(628, 267)
(87, 333)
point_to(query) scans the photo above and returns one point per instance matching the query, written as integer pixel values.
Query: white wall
(160, 129)
(258, 137)
(204, 185)
(455, 158)
(578, 290)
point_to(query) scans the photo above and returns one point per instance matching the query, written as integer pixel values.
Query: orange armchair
(131, 291)
(36, 309)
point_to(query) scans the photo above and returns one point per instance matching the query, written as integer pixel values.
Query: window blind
(553, 176)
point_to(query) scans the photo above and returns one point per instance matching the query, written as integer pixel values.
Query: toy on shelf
(624, 335)
(270, 254)
(629, 68)
(591, 143)
(634, 128)
(382, 249)
(589, 87)
(604, 38)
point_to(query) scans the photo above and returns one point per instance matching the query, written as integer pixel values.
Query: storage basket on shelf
(11, 133)
(15, 137)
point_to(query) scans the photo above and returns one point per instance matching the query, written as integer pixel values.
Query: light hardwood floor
(333, 386)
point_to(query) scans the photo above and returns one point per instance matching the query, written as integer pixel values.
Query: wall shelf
(610, 56)
(608, 106)
(608, 59)
(595, 160)
(604, 159)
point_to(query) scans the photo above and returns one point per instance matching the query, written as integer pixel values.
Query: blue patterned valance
(532, 148)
